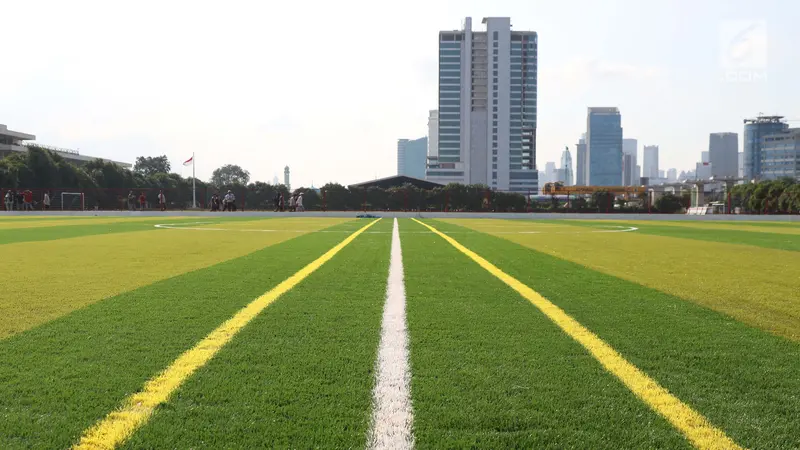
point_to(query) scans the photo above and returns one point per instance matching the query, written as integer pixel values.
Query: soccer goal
(72, 201)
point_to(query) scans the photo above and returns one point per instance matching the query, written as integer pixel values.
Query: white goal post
(72, 201)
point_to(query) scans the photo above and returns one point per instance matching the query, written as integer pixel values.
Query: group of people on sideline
(295, 203)
(228, 202)
(22, 200)
(141, 201)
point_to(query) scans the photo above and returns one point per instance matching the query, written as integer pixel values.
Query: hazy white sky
(328, 87)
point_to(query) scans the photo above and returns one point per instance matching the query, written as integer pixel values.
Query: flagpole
(194, 191)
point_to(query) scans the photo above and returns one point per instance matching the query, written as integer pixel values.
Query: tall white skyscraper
(566, 166)
(723, 154)
(650, 163)
(487, 107)
(630, 148)
(550, 172)
(286, 180)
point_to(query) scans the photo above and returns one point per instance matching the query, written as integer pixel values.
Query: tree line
(780, 196)
(106, 186)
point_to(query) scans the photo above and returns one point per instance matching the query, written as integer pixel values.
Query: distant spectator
(131, 201)
(292, 203)
(27, 198)
(299, 203)
(162, 200)
(142, 201)
(277, 201)
(19, 200)
(46, 201)
(9, 200)
(281, 203)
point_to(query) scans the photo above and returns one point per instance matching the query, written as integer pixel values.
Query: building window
(495, 52)
(495, 44)
(494, 123)
(494, 73)
(494, 102)
(494, 35)
(494, 80)
(494, 94)
(494, 116)
(494, 59)
(494, 130)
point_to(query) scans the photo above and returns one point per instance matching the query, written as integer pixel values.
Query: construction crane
(558, 188)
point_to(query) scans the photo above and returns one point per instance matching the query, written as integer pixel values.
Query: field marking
(694, 426)
(178, 226)
(392, 414)
(119, 425)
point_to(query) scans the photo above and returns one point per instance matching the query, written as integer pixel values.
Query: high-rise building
(754, 131)
(705, 157)
(566, 166)
(703, 170)
(286, 180)
(630, 148)
(433, 132)
(411, 157)
(662, 175)
(487, 107)
(628, 169)
(780, 155)
(604, 146)
(638, 174)
(723, 151)
(580, 164)
(650, 161)
(741, 164)
(550, 172)
(672, 175)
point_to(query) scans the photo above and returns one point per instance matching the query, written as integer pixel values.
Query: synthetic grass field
(303, 332)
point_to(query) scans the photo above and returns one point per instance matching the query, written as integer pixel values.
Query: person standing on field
(142, 201)
(291, 203)
(27, 198)
(131, 201)
(9, 200)
(299, 203)
(46, 201)
(162, 200)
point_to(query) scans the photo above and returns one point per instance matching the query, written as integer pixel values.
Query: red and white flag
(189, 161)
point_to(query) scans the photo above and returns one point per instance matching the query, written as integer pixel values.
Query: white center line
(392, 415)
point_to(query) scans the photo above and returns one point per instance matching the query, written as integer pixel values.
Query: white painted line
(175, 226)
(392, 415)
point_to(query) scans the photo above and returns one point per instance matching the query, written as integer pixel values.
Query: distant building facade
(566, 166)
(604, 146)
(723, 150)
(754, 131)
(12, 142)
(412, 157)
(630, 148)
(650, 161)
(780, 155)
(580, 161)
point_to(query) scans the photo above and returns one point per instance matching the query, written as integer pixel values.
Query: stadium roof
(397, 181)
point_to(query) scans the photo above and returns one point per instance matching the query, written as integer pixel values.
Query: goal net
(72, 201)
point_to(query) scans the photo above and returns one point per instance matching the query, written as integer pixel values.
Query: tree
(151, 165)
(228, 175)
(668, 204)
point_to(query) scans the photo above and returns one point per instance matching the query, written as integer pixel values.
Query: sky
(327, 88)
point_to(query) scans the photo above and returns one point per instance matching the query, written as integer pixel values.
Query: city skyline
(103, 97)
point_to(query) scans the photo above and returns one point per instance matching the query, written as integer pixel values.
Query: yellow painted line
(119, 425)
(697, 429)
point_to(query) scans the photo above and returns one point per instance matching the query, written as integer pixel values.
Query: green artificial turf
(743, 237)
(490, 371)
(61, 231)
(62, 377)
(744, 380)
(300, 375)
